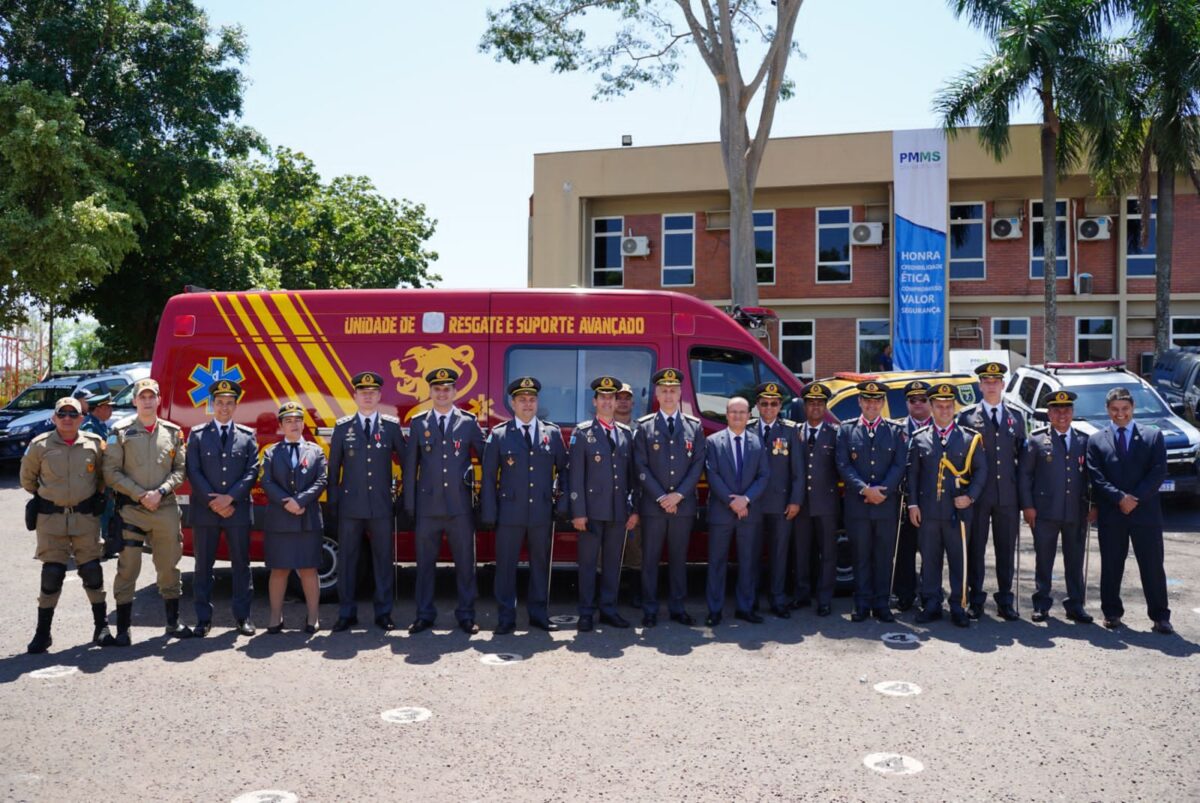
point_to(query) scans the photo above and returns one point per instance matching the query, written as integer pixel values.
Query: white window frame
(1066, 240)
(774, 264)
(812, 338)
(817, 244)
(1112, 338)
(1028, 333)
(983, 230)
(859, 337)
(663, 268)
(1189, 340)
(620, 233)
(1151, 243)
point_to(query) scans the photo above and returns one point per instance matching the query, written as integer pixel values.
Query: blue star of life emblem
(203, 377)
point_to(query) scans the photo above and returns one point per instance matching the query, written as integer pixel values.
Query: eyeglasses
(918, 400)
(769, 404)
(68, 414)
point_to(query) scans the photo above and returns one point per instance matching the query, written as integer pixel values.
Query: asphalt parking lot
(804, 708)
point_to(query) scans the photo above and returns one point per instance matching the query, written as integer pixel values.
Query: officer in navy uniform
(871, 456)
(1003, 432)
(1054, 499)
(524, 467)
(437, 497)
(361, 499)
(222, 466)
(817, 522)
(904, 575)
(668, 457)
(947, 473)
(601, 480)
(782, 500)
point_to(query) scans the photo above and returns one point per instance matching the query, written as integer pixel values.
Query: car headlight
(20, 429)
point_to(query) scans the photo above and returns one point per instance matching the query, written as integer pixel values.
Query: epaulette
(1040, 430)
(85, 434)
(346, 419)
(787, 422)
(925, 428)
(244, 428)
(585, 424)
(123, 424)
(467, 413)
(169, 424)
(900, 422)
(691, 418)
(625, 427)
(969, 409)
(647, 417)
(393, 419)
(968, 430)
(421, 414)
(41, 438)
(547, 424)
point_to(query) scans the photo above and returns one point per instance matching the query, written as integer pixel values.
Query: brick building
(834, 298)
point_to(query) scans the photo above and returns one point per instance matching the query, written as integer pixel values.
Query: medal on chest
(457, 447)
(688, 445)
(511, 460)
(378, 441)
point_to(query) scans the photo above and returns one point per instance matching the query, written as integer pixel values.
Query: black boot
(124, 617)
(101, 634)
(41, 637)
(174, 629)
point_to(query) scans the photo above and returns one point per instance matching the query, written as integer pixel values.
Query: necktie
(612, 440)
(442, 425)
(766, 433)
(737, 458)
(294, 448)
(812, 437)
(1061, 437)
(528, 436)
(671, 426)
(224, 438)
(367, 429)
(995, 419)
(1122, 444)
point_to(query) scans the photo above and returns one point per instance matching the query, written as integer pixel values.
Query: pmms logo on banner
(920, 178)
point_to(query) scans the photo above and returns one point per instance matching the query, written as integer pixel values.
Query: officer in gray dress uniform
(524, 466)
(222, 466)
(438, 499)
(1003, 432)
(668, 457)
(601, 478)
(818, 518)
(904, 575)
(1054, 499)
(871, 455)
(947, 472)
(782, 500)
(361, 498)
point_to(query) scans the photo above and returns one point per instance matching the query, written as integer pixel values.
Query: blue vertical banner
(920, 181)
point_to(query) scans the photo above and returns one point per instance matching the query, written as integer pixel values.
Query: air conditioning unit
(635, 246)
(866, 233)
(1006, 228)
(1093, 228)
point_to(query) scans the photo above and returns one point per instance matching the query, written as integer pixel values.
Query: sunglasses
(768, 404)
(68, 414)
(918, 400)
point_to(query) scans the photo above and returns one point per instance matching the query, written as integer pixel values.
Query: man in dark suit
(785, 490)
(361, 498)
(904, 574)
(1003, 432)
(736, 466)
(947, 472)
(1054, 500)
(524, 466)
(817, 520)
(871, 457)
(668, 458)
(438, 499)
(1128, 464)
(222, 465)
(601, 478)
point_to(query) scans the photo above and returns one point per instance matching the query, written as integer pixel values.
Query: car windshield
(38, 398)
(124, 398)
(1090, 403)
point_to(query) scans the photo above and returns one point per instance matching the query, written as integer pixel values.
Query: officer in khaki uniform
(62, 469)
(144, 464)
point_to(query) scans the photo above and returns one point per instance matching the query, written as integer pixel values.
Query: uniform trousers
(599, 548)
(938, 538)
(460, 533)
(159, 529)
(677, 532)
(1045, 545)
(351, 533)
(205, 540)
(1005, 522)
(821, 532)
(509, 538)
(873, 543)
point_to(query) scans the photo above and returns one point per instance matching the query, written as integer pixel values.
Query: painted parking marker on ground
(501, 658)
(53, 672)
(565, 619)
(1174, 582)
(897, 688)
(900, 639)
(267, 796)
(1195, 610)
(893, 764)
(404, 716)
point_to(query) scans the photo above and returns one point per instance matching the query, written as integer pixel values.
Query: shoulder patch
(926, 428)
(647, 417)
(622, 426)
(787, 422)
(346, 419)
(244, 428)
(584, 424)
(691, 418)
(390, 418)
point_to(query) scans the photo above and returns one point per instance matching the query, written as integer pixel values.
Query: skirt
(293, 550)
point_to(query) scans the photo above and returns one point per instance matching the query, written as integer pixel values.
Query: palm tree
(1053, 51)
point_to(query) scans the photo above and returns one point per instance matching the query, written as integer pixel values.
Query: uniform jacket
(1140, 473)
(908, 428)
(601, 480)
(721, 471)
(434, 466)
(360, 473)
(303, 482)
(1003, 447)
(211, 470)
(665, 465)
(519, 483)
(822, 497)
(1052, 482)
(786, 462)
(95, 426)
(878, 461)
(137, 461)
(924, 459)
(61, 474)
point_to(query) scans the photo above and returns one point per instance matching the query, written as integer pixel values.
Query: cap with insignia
(225, 387)
(992, 370)
(943, 391)
(143, 385)
(667, 376)
(98, 399)
(68, 401)
(290, 410)
(606, 384)
(441, 376)
(1059, 398)
(524, 384)
(815, 390)
(916, 388)
(367, 379)
(870, 390)
(768, 390)
(625, 388)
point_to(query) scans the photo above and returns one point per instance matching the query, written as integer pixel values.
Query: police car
(1092, 381)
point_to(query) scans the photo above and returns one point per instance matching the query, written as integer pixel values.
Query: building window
(679, 250)
(833, 245)
(1185, 331)
(764, 246)
(608, 266)
(967, 241)
(874, 344)
(1011, 334)
(1139, 261)
(798, 347)
(1037, 248)
(1095, 339)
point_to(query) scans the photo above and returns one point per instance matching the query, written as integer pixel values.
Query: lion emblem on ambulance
(410, 370)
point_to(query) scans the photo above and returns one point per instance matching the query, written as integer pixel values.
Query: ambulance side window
(566, 374)
(719, 374)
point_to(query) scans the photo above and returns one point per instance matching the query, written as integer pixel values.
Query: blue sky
(398, 91)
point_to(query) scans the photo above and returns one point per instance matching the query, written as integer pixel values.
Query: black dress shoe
(505, 628)
(275, 629)
(614, 619)
(975, 611)
(713, 619)
(1163, 626)
(684, 618)
(585, 624)
(781, 612)
(245, 627)
(176, 630)
(1082, 617)
(1008, 613)
(883, 615)
(824, 610)
(312, 628)
(858, 615)
(801, 603)
(468, 626)
(201, 629)
(927, 615)
(1041, 616)
(1113, 623)
(960, 618)
(385, 623)
(650, 620)
(416, 627)
(543, 624)
(344, 623)
(748, 616)
(904, 605)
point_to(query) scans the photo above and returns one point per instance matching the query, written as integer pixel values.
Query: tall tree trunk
(50, 354)
(735, 144)
(1049, 226)
(1163, 242)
